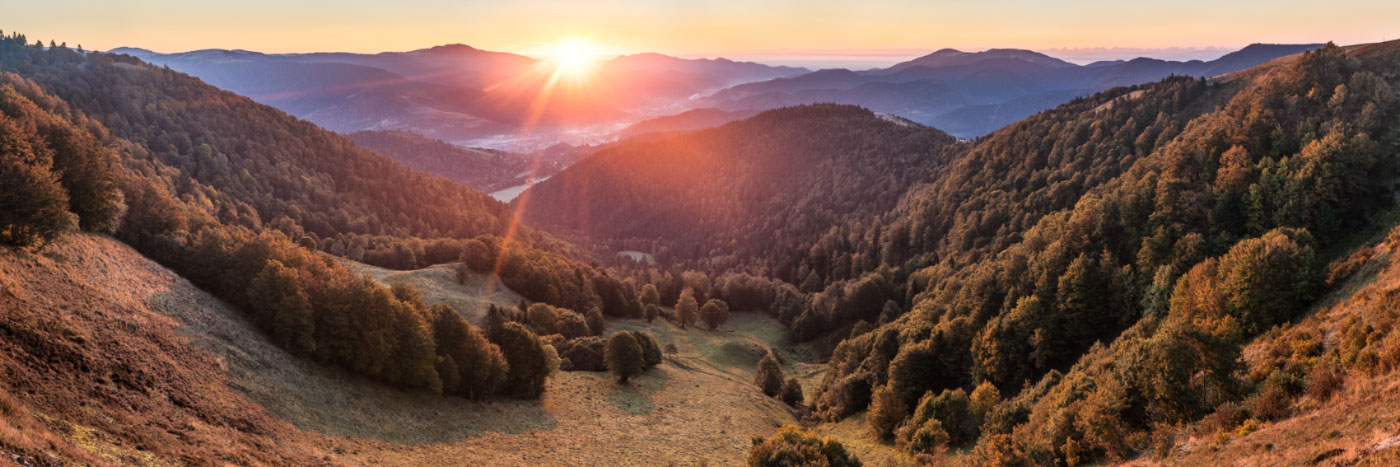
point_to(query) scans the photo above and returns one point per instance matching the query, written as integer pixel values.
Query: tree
(887, 409)
(686, 308)
(714, 313)
(769, 376)
(34, 207)
(792, 392)
(543, 317)
(650, 295)
(651, 312)
(530, 360)
(651, 350)
(596, 323)
(624, 356)
(276, 299)
(474, 367)
(570, 324)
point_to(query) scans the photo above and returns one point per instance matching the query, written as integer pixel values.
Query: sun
(575, 56)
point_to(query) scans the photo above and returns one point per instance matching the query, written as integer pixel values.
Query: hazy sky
(782, 30)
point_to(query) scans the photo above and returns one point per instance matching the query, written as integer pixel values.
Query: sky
(804, 32)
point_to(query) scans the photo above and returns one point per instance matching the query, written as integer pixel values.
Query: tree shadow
(634, 398)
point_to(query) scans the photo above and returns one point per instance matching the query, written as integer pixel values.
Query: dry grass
(439, 285)
(98, 372)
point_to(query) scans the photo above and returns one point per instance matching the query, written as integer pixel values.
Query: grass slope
(108, 357)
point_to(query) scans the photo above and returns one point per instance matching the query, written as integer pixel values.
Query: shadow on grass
(634, 398)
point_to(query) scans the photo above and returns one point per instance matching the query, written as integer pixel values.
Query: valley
(988, 258)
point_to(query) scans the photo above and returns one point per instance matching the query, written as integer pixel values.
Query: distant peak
(446, 48)
(131, 51)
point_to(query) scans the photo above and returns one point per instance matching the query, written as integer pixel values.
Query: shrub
(928, 437)
(584, 354)
(769, 376)
(714, 313)
(624, 356)
(792, 392)
(1323, 381)
(792, 446)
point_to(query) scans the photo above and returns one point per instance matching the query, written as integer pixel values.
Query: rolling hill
(744, 189)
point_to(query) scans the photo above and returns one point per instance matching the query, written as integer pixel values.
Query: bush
(624, 356)
(1323, 381)
(769, 376)
(714, 313)
(792, 392)
(928, 437)
(583, 354)
(792, 446)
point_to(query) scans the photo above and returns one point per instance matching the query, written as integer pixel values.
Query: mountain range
(457, 92)
(969, 94)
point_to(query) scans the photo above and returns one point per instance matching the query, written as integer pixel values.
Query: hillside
(742, 191)
(481, 170)
(1130, 261)
(970, 94)
(118, 360)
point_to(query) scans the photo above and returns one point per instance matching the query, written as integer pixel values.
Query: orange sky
(750, 28)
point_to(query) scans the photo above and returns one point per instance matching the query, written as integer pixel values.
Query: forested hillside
(237, 197)
(737, 196)
(1100, 266)
(480, 169)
